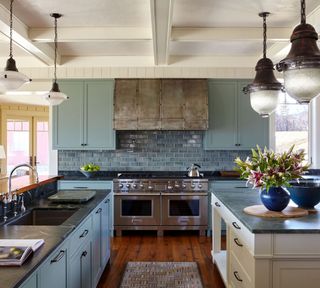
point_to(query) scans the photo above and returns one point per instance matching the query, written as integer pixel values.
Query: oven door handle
(185, 194)
(135, 194)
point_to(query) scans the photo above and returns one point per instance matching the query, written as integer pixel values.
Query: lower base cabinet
(53, 272)
(80, 260)
(80, 268)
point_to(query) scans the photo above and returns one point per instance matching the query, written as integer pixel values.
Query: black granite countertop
(238, 198)
(53, 236)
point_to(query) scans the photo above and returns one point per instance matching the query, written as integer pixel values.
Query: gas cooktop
(156, 175)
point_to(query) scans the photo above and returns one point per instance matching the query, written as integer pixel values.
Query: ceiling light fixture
(55, 97)
(265, 90)
(301, 67)
(11, 78)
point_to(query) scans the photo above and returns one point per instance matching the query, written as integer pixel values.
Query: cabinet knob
(236, 275)
(217, 204)
(99, 210)
(84, 234)
(237, 144)
(58, 257)
(84, 254)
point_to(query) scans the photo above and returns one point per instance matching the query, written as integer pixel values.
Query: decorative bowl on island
(305, 192)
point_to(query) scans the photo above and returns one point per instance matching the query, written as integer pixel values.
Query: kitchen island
(263, 253)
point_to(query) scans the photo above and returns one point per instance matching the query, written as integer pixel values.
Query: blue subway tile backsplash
(152, 150)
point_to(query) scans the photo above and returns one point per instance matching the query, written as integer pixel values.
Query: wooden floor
(173, 247)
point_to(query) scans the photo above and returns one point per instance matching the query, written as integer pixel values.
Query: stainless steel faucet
(34, 170)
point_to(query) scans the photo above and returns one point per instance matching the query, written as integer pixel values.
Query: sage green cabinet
(80, 268)
(31, 282)
(53, 272)
(233, 124)
(85, 120)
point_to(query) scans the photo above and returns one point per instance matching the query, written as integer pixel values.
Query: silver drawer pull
(217, 204)
(136, 220)
(84, 234)
(84, 254)
(236, 275)
(235, 225)
(58, 257)
(99, 210)
(80, 187)
(107, 201)
(236, 240)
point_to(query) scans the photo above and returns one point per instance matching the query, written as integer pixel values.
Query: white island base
(263, 260)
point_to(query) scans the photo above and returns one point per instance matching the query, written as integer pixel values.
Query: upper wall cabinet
(233, 124)
(85, 120)
(166, 104)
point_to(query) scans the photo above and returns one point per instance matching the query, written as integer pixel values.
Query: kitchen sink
(44, 216)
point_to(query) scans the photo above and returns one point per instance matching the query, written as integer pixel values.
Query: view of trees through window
(292, 125)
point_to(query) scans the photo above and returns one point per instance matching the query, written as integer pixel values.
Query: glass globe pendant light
(55, 97)
(301, 67)
(265, 90)
(11, 78)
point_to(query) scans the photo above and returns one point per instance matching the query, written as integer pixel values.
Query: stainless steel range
(151, 202)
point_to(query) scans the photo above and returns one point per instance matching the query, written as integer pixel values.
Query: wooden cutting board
(261, 211)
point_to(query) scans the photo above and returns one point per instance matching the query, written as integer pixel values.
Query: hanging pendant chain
(55, 48)
(264, 36)
(11, 12)
(303, 12)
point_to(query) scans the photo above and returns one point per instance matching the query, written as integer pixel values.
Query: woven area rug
(161, 275)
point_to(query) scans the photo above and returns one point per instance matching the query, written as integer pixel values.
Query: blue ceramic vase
(276, 199)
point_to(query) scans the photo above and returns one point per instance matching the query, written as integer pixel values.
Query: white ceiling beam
(80, 34)
(228, 34)
(161, 19)
(43, 52)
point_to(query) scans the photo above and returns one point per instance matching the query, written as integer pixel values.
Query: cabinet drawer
(241, 253)
(65, 184)
(81, 235)
(238, 276)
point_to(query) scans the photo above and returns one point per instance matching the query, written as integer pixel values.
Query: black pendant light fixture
(55, 97)
(265, 90)
(11, 78)
(301, 67)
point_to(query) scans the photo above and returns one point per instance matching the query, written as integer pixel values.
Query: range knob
(169, 187)
(141, 185)
(200, 185)
(184, 186)
(176, 185)
(120, 185)
(134, 186)
(193, 185)
(150, 187)
(128, 185)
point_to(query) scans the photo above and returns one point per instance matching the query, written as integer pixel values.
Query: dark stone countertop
(53, 236)
(238, 198)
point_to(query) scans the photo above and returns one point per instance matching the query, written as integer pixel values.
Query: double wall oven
(156, 203)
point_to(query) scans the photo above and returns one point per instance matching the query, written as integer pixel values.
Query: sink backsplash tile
(152, 150)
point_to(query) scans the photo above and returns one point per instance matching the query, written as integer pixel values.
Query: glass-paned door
(28, 142)
(19, 135)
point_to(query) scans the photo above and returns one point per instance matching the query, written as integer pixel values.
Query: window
(292, 125)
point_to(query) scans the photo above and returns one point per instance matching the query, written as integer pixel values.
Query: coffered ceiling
(166, 31)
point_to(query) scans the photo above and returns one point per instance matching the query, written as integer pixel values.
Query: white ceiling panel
(232, 48)
(109, 48)
(235, 13)
(35, 13)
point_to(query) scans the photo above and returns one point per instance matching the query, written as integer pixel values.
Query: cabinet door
(68, 117)
(252, 128)
(96, 244)
(105, 231)
(125, 104)
(53, 273)
(172, 104)
(80, 268)
(222, 131)
(149, 104)
(196, 104)
(99, 133)
(31, 282)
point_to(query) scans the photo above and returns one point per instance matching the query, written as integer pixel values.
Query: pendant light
(265, 90)
(301, 67)
(11, 78)
(55, 97)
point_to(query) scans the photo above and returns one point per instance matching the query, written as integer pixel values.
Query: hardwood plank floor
(172, 247)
